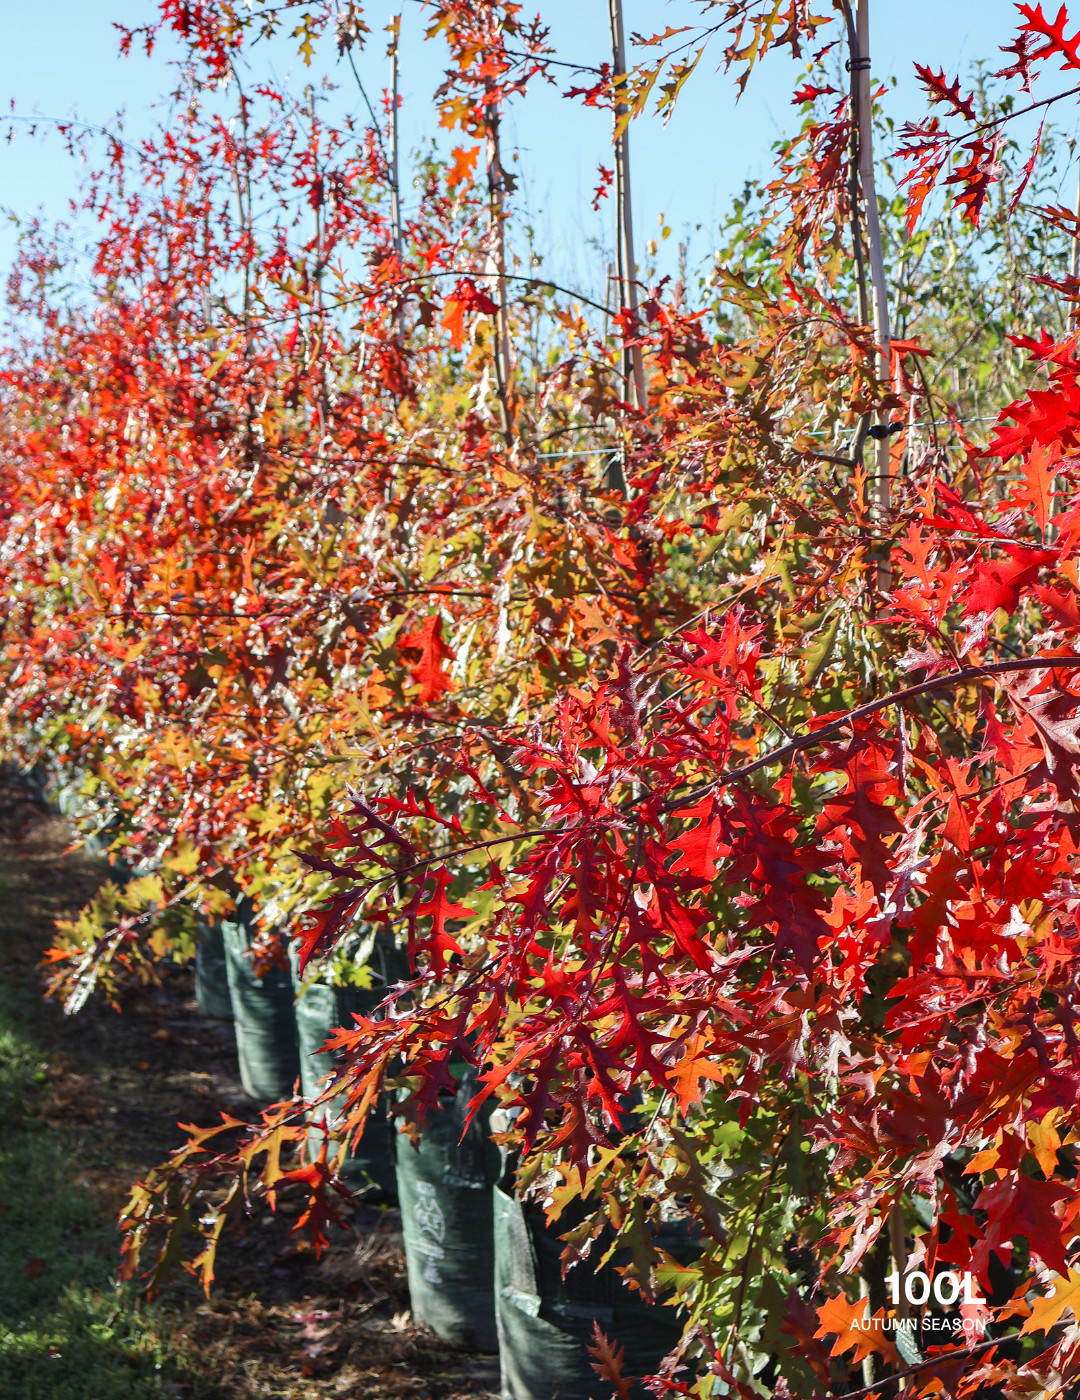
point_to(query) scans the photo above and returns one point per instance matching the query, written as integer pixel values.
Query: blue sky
(61, 59)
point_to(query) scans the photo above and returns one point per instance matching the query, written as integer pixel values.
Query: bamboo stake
(633, 366)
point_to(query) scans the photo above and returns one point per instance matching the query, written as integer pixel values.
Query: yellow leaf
(222, 355)
(92, 591)
(186, 861)
(145, 892)
(1046, 1311)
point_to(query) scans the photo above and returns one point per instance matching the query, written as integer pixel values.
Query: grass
(66, 1332)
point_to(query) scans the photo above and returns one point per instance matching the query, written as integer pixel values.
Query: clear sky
(61, 59)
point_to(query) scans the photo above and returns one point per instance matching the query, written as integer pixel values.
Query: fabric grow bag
(445, 1192)
(264, 1016)
(319, 1009)
(545, 1322)
(212, 974)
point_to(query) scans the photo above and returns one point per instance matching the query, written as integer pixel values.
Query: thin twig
(973, 673)
(945, 1358)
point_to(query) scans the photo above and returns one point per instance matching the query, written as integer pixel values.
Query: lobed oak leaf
(998, 583)
(608, 1362)
(463, 169)
(854, 1328)
(1054, 41)
(938, 90)
(1055, 715)
(1044, 1141)
(981, 170)
(687, 1074)
(318, 928)
(1046, 1311)
(800, 1322)
(428, 672)
(1039, 468)
(1019, 1205)
(466, 298)
(440, 943)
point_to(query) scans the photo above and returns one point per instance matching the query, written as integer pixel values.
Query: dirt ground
(109, 1094)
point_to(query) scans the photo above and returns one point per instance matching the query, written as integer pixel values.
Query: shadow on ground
(90, 1103)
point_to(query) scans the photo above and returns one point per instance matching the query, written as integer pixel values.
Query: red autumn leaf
(428, 672)
(1055, 716)
(603, 185)
(1039, 469)
(440, 943)
(809, 91)
(465, 300)
(975, 176)
(688, 1073)
(939, 90)
(1054, 41)
(801, 1322)
(1020, 1205)
(998, 583)
(319, 928)
(608, 1363)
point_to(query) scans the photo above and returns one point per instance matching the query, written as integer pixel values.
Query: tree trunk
(633, 366)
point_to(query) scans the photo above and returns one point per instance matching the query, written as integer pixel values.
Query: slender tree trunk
(867, 1361)
(497, 267)
(395, 181)
(898, 1250)
(860, 64)
(633, 365)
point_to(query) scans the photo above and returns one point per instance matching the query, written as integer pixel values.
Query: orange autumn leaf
(462, 170)
(694, 1066)
(853, 1328)
(1044, 1141)
(1039, 469)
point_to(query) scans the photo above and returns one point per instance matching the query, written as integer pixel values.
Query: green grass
(66, 1332)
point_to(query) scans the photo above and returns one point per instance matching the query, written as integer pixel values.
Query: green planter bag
(212, 974)
(445, 1192)
(320, 1007)
(546, 1322)
(264, 1015)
